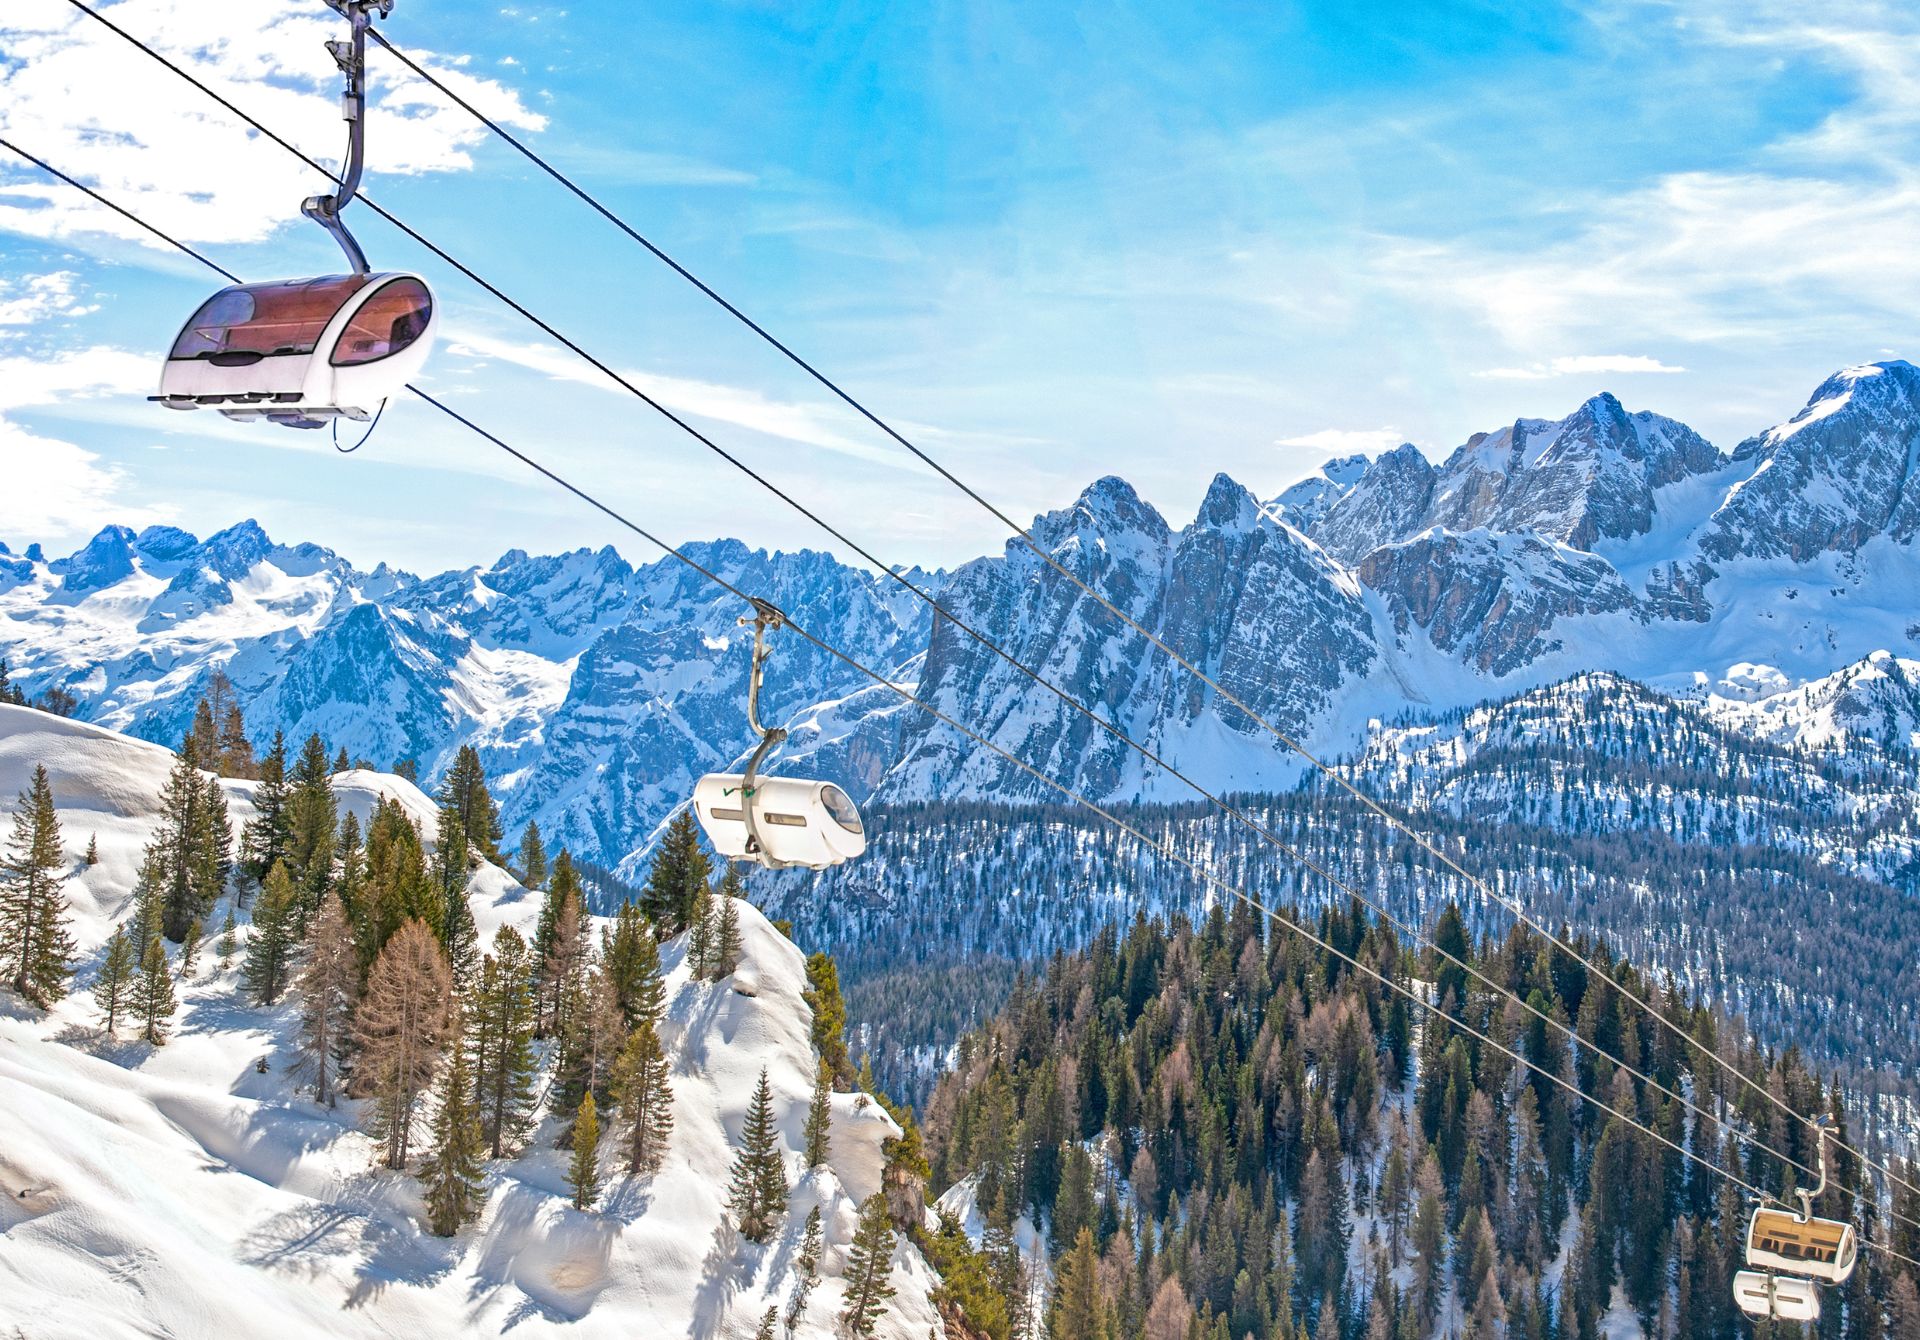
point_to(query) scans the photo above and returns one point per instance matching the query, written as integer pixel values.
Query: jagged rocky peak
(105, 559)
(1302, 505)
(166, 544)
(1839, 474)
(1228, 506)
(1588, 477)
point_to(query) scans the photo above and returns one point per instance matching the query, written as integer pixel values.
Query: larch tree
(499, 1038)
(583, 1168)
(153, 1001)
(113, 985)
(401, 1027)
(327, 983)
(869, 1272)
(452, 1177)
(275, 939)
(757, 1190)
(36, 948)
(533, 857)
(643, 1089)
(562, 968)
(822, 995)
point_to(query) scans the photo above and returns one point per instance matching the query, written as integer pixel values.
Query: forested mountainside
(1775, 580)
(1222, 1131)
(292, 1054)
(1773, 881)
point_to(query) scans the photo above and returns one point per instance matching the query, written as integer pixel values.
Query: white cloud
(54, 488)
(94, 106)
(794, 421)
(1814, 232)
(1347, 441)
(1581, 365)
(35, 298)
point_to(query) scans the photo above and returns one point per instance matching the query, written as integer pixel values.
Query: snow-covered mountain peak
(1228, 505)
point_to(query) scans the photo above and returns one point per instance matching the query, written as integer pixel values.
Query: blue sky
(1051, 242)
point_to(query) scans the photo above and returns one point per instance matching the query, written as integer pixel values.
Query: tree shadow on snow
(720, 1279)
(311, 1238)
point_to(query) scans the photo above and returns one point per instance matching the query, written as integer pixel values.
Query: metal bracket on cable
(766, 617)
(1824, 1129)
(351, 57)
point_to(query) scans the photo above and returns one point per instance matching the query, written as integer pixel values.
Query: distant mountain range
(1772, 585)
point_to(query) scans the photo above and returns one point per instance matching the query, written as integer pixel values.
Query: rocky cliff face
(598, 691)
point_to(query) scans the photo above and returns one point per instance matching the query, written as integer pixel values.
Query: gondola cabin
(1781, 1297)
(1822, 1249)
(300, 352)
(801, 822)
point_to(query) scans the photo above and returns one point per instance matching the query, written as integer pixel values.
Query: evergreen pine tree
(680, 872)
(191, 845)
(631, 959)
(326, 984)
(700, 930)
(212, 849)
(726, 939)
(643, 1089)
(341, 763)
(36, 948)
(820, 1118)
(499, 1026)
(533, 857)
(401, 1027)
(270, 950)
(806, 1271)
(92, 857)
(757, 1192)
(114, 984)
(229, 941)
(396, 887)
(149, 895)
(190, 950)
(465, 789)
(312, 824)
(153, 1001)
(1079, 1309)
(561, 972)
(263, 843)
(869, 1272)
(583, 1169)
(452, 1175)
(450, 873)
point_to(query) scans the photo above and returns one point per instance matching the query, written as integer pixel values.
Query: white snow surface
(180, 1191)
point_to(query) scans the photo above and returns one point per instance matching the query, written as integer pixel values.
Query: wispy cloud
(1812, 231)
(809, 424)
(1347, 441)
(1581, 365)
(95, 107)
(55, 488)
(36, 298)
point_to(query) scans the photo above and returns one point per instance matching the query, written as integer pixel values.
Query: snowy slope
(180, 1191)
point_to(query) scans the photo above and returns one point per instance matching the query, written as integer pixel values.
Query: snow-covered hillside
(183, 1191)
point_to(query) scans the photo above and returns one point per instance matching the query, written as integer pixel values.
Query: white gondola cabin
(301, 352)
(800, 822)
(1781, 1297)
(1821, 1249)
